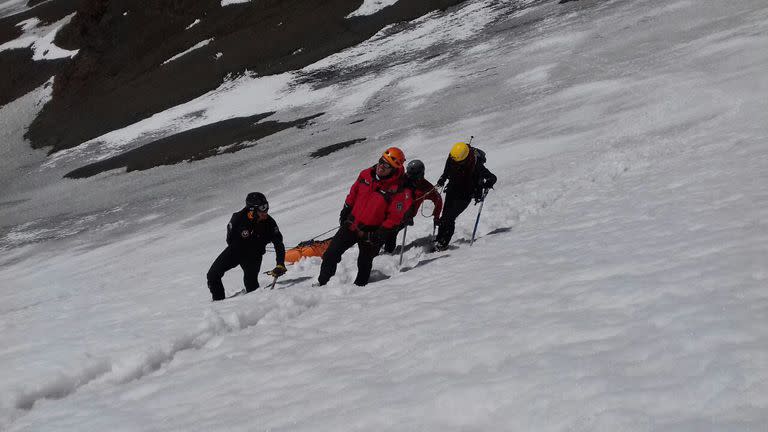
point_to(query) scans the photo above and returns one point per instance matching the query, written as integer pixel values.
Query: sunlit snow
(370, 7)
(192, 48)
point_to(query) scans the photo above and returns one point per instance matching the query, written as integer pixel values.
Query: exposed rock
(226, 136)
(118, 76)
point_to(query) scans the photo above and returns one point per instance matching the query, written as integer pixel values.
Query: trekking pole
(477, 221)
(471, 137)
(402, 247)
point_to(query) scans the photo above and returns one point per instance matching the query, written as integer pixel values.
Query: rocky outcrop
(122, 73)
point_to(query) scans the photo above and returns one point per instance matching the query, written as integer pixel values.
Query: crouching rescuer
(374, 208)
(248, 233)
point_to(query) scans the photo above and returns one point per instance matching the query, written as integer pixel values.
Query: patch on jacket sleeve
(399, 206)
(245, 233)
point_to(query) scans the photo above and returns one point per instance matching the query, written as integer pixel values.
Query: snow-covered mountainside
(618, 282)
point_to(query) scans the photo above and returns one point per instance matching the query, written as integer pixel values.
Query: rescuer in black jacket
(248, 233)
(467, 178)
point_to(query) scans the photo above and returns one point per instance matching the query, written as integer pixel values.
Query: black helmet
(256, 201)
(415, 169)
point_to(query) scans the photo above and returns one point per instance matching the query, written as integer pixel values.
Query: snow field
(618, 282)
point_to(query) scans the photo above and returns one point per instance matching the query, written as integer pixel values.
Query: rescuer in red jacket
(422, 190)
(375, 206)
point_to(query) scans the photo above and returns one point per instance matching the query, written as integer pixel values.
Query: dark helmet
(256, 201)
(415, 169)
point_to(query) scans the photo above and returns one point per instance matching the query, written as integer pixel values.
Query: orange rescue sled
(309, 248)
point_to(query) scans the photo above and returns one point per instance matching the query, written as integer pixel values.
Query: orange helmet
(394, 156)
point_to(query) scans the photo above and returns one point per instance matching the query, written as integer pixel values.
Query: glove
(408, 221)
(440, 182)
(278, 271)
(480, 194)
(487, 183)
(346, 211)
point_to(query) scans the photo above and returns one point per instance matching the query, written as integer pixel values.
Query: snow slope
(618, 283)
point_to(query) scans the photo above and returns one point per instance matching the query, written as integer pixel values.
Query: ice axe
(477, 221)
(274, 279)
(402, 247)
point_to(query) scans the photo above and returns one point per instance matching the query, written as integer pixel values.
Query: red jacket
(378, 202)
(424, 190)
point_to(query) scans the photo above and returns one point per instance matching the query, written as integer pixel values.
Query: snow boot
(440, 246)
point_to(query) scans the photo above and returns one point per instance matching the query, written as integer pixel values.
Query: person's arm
(487, 179)
(352, 195)
(398, 206)
(446, 173)
(277, 241)
(230, 227)
(437, 200)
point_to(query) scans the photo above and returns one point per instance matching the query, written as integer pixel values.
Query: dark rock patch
(8, 30)
(47, 12)
(118, 77)
(227, 136)
(21, 74)
(356, 121)
(325, 151)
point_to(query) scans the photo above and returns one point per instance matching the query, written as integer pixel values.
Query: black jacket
(251, 235)
(469, 177)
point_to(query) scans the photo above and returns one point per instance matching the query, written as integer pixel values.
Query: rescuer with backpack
(375, 207)
(467, 178)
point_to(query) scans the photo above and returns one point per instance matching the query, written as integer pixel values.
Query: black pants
(455, 204)
(343, 240)
(390, 242)
(228, 259)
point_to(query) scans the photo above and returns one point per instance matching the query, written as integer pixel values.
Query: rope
(304, 243)
(424, 197)
(322, 234)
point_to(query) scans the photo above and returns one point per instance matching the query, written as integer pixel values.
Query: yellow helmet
(460, 151)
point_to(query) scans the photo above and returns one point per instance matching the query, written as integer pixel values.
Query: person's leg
(454, 206)
(251, 266)
(368, 252)
(390, 242)
(226, 261)
(342, 240)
